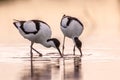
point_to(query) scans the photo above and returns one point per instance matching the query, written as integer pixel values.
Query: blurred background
(101, 19)
(100, 38)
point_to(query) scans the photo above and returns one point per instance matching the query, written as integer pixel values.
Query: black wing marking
(70, 19)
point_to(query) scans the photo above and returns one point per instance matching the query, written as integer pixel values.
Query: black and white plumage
(72, 28)
(37, 31)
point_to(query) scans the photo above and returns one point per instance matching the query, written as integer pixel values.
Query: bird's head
(18, 23)
(56, 44)
(78, 44)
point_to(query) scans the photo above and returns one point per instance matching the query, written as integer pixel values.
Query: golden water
(101, 49)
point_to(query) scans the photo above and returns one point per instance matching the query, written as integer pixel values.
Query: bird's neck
(77, 42)
(48, 44)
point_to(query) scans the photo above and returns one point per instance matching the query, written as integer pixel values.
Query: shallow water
(100, 38)
(98, 64)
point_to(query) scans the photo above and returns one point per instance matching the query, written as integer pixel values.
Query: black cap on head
(57, 44)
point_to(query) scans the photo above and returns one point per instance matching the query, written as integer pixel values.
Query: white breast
(73, 30)
(29, 26)
(43, 35)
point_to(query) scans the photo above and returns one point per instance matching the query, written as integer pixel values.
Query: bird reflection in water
(36, 72)
(50, 70)
(77, 68)
(73, 69)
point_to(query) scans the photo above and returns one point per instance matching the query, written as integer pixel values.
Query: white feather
(64, 21)
(73, 30)
(18, 24)
(29, 26)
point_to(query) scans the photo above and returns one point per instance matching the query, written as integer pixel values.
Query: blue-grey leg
(35, 49)
(31, 53)
(63, 47)
(31, 61)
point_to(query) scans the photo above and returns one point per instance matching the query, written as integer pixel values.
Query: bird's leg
(35, 49)
(74, 50)
(63, 47)
(31, 59)
(31, 56)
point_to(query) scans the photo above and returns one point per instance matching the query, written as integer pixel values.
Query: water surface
(100, 38)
